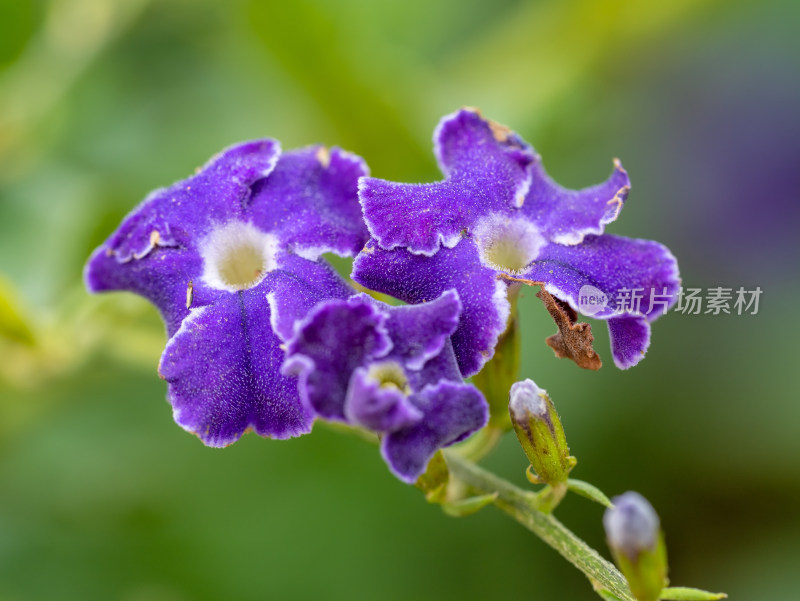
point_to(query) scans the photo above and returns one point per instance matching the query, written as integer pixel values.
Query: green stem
(521, 505)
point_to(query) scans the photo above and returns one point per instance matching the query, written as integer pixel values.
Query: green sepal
(680, 593)
(589, 491)
(532, 476)
(497, 376)
(647, 572)
(435, 479)
(468, 506)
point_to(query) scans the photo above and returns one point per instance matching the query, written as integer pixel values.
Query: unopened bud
(634, 536)
(540, 433)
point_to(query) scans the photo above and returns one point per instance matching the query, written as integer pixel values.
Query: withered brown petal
(573, 339)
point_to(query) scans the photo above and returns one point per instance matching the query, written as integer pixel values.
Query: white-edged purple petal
(630, 338)
(420, 332)
(155, 250)
(452, 411)
(310, 202)
(417, 279)
(486, 168)
(165, 278)
(328, 345)
(303, 201)
(637, 281)
(178, 216)
(636, 276)
(222, 367)
(296, 286)
(567, 216)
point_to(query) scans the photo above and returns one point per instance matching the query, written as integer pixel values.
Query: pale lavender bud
(632, 525)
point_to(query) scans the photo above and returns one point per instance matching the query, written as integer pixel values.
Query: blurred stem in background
(72, 34)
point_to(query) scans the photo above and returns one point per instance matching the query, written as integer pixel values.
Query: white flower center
(237, 255)
(389, 375)
(507, 244)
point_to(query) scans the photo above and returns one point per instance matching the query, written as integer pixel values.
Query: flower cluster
(264, 335)
(497, 218)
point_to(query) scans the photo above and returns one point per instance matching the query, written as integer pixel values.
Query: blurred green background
(103, 497)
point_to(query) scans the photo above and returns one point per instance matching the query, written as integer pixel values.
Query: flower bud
(634, 536)
(540, 433)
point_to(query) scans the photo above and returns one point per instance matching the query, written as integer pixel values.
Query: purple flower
(391, 370)
(498, 214)
(230, 258)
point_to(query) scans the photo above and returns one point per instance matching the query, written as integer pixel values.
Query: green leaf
(679, 593)
(468, 506)
(589, 491)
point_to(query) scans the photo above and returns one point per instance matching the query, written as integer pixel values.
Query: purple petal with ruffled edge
(296, 287)
(335, 339)
(154, 251)
(611, 264)
(180, 215)
(420, 333)
(567, 216)
(310, 202)
(630, 338)
(452, 412)
(163, 278)
(487, 169)
(222, 367)
(416, 279)
(378, 408)
(306, 198)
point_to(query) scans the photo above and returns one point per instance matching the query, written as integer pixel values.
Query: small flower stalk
(634, 536)
(541, 435)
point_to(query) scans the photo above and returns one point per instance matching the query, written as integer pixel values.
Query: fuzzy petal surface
(486, 168)
(630, 338)
(296, 287)
(452, 412)
(612, 265)
(310, 202)
(222, 367)
(378, 367)
(378, 408)
(247, 227)
(567, 216)
(417, 278)
(336, 338)
(305, 198)
(421, 332)
(178, 216)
